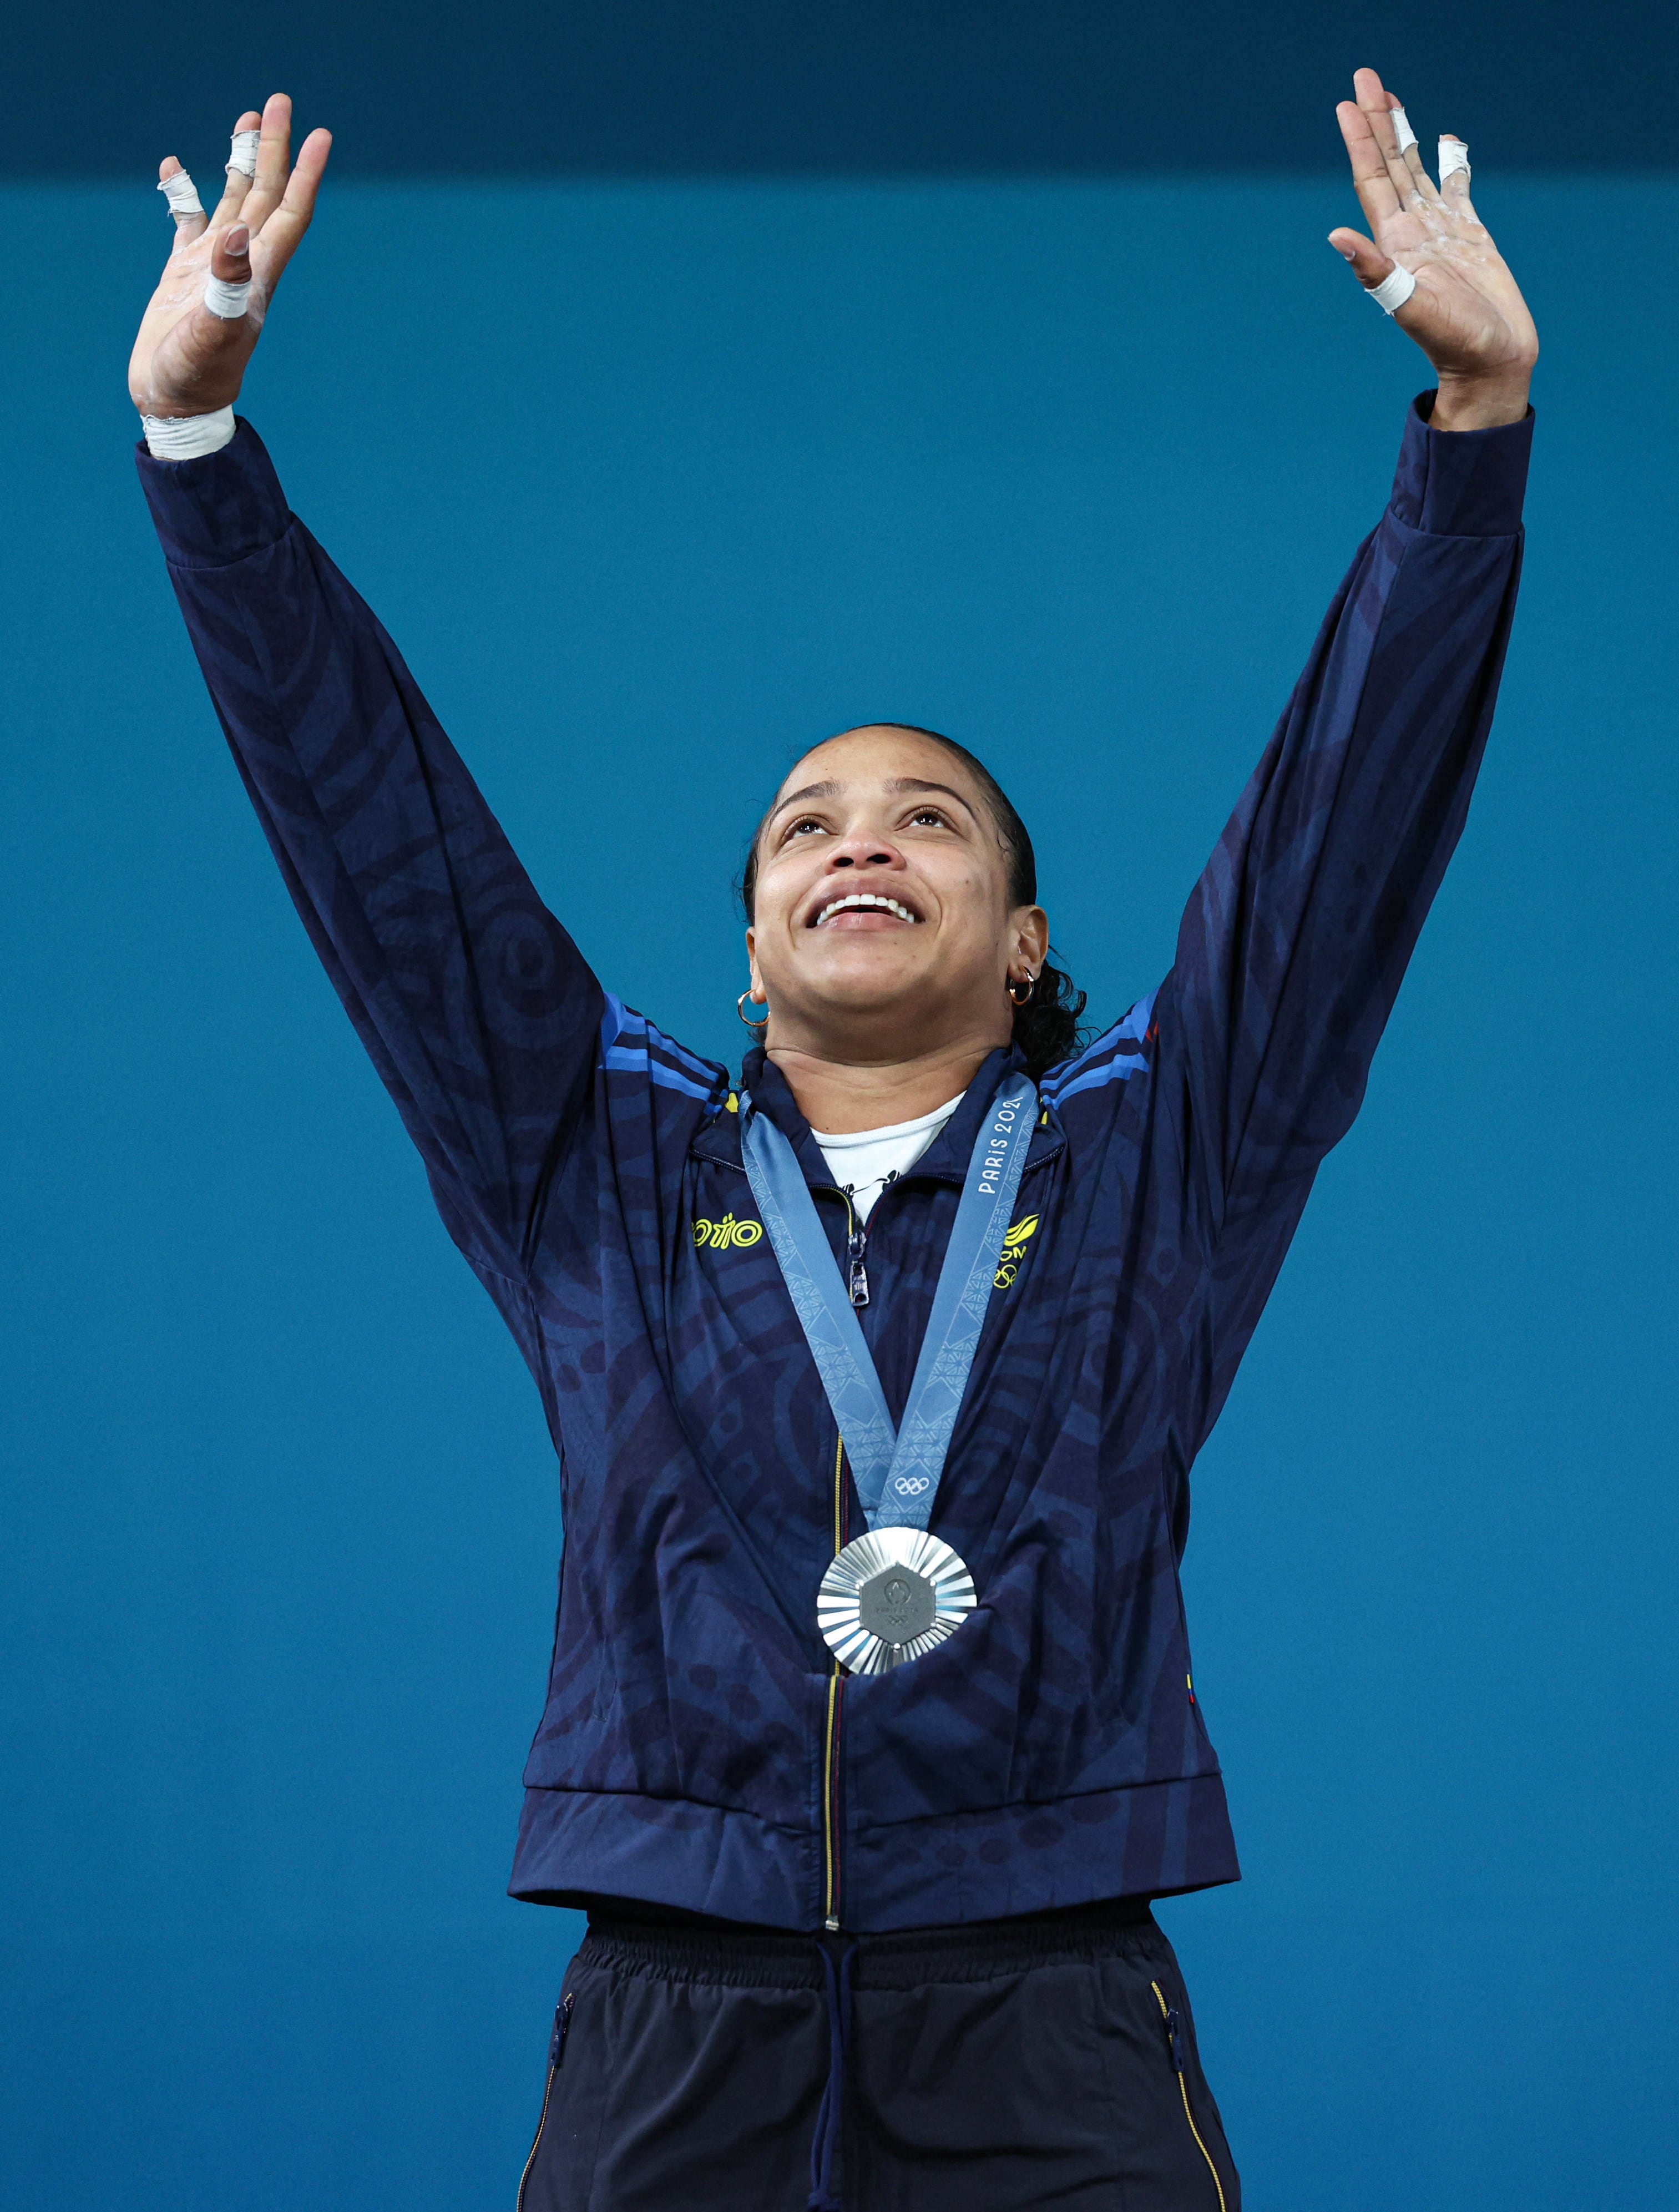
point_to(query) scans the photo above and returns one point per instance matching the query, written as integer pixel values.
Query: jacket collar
(946, 1158)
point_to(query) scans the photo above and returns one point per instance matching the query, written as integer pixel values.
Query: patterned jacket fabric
(698, 1749)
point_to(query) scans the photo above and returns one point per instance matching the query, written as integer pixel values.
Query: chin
(870, 982)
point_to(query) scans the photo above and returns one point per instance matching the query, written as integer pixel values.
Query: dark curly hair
(1047, 1027)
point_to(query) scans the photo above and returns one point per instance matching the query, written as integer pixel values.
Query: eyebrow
(918, 783)
(810, 791)
(898, 785)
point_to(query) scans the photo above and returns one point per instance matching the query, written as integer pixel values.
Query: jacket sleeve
(477, 1010)
(1294, 940)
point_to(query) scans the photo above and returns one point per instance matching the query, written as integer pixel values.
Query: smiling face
(882, 922)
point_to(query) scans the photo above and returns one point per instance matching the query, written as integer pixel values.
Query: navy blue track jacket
(699, 1749)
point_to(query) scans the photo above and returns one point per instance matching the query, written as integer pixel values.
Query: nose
(865, 848)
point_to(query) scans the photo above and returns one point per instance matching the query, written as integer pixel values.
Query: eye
(935, 816)
(804, 823)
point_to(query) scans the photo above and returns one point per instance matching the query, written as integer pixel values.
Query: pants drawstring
(826, 2141)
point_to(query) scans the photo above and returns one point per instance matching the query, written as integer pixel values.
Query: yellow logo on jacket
(721, 1235)
(1014, 1251)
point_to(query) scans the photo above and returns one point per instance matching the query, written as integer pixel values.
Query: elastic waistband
(770, 1960)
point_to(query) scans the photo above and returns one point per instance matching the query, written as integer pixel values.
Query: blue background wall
(741, 88)
(743, 463)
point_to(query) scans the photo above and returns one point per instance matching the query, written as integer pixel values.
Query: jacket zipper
(1174, 2042)
(857, 1245)
(836, 1690)
(556, 2053)
(856, 1280)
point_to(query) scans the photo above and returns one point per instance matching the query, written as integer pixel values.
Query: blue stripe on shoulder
(624, 1060)
(1113, 1058)
(630, 1045)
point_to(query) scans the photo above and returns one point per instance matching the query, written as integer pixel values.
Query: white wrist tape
(1402, 128)
(184, 437)
(1454, 156)
(1395, 288)
(244, 155)
(182, 195)
(228, 300)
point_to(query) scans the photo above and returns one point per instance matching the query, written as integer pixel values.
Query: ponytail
(1047, 1028)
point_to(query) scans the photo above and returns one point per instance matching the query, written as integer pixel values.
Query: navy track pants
(999, 2069)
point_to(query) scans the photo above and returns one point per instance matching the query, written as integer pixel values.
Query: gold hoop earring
(1023, 998)
(741, 1014)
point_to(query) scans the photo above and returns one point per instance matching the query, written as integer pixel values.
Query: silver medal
(892, 1595)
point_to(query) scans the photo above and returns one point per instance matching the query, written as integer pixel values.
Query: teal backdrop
(654, 483)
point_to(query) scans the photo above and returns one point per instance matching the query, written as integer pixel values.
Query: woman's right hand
(185, 360)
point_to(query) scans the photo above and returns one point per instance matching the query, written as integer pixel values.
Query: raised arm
(476, 1009)
(1294, 942)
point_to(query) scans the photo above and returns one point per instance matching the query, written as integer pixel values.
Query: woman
(876, 1377)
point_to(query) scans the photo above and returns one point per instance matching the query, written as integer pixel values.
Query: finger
(1376, 103)
(239, 166)
(1455, 172)
(1363, 256)
(184, 205)
(227, 296)
(219, 325)
(1372, 95)
(1378, 194)
(1409, 152)
(274, 152)
(1373, 268)
(230, 255)
(283, 231)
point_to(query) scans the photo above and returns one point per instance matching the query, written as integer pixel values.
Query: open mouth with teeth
(862, 910)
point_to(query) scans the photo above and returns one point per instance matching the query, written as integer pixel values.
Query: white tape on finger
(1395, 288)
(1402, 128)
(1454, 158)
(244, 155)
(228, 300)
(182, 195)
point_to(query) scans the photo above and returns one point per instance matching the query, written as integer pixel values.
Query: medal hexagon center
(897, 1606)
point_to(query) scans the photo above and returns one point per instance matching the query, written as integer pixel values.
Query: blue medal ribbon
(897, 1473)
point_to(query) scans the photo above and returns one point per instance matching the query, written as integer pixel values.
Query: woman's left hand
(1466, 313)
